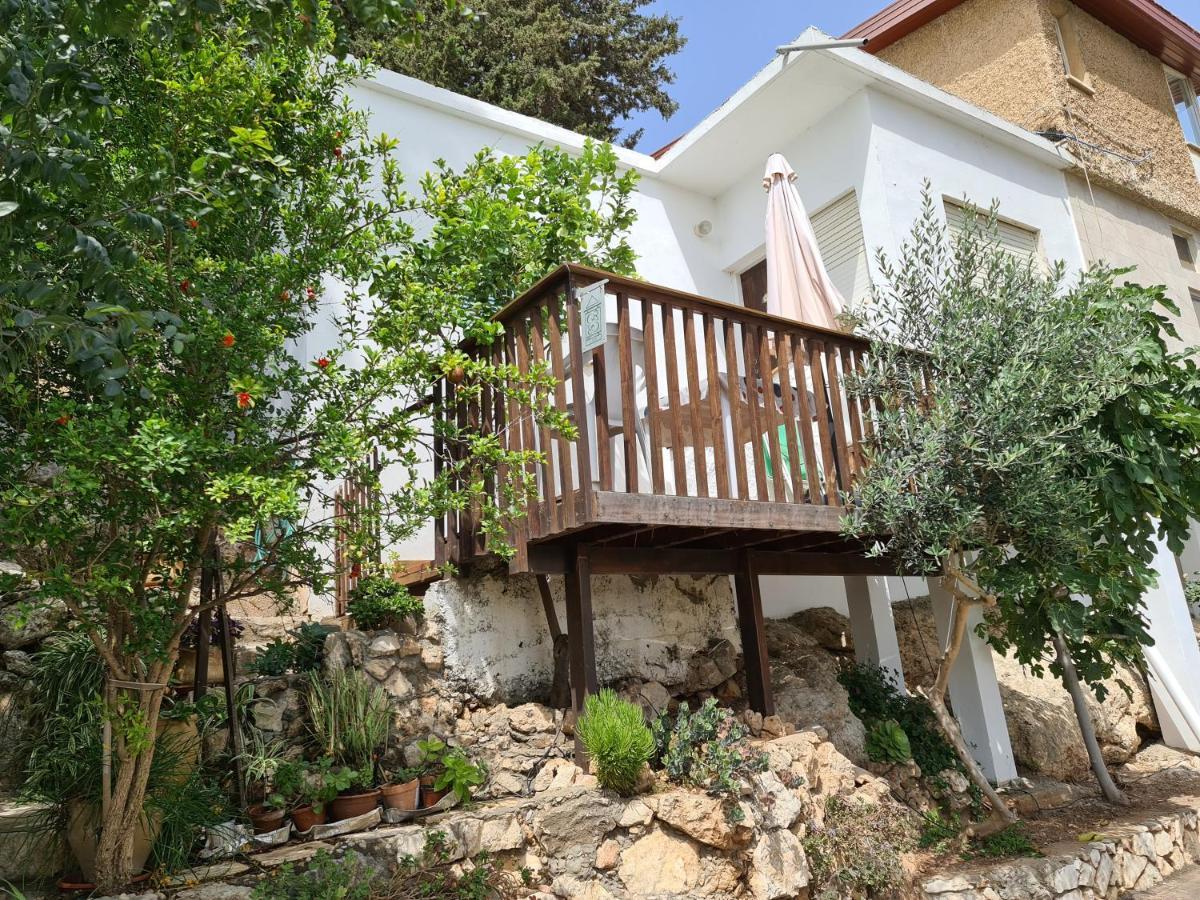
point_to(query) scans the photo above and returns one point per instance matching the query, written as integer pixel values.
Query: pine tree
(583, 64)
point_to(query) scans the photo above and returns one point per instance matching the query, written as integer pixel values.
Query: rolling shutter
(840, 239)
(1014, 239)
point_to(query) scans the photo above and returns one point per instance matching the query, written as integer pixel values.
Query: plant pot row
(406, 796)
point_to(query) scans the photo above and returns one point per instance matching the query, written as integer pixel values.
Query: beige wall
(1120, 232)
(1003, 55)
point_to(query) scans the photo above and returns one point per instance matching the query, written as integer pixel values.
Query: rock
(18, 662)
(607, 855)
(806, 688)
(565, 821)
(387, 643)
(778, 867)
(651, 696)
(531, 718)
(781, 806)
(344, 649)
(1043, 728)
(556, 774)
(26, 850)
(22, 624)
(379, 668)
(432, 657)
(700, 817)
(637, 812)
(828, 628)
(711, 666)
(660, 863)
(397, 685)
(216, 892)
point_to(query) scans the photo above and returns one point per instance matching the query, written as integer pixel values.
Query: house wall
(1003, 56)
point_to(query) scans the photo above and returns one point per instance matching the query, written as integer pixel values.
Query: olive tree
(1033, 437)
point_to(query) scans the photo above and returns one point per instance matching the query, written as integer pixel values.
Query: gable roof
(1143, 22)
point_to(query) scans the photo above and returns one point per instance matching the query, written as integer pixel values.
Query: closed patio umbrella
(798, 285)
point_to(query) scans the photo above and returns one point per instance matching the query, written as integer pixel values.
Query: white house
(862, 137)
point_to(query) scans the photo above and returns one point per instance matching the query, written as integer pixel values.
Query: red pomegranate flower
(244, 399)
(228, 339)
(310, 292)
(337, 151)
(185, 286)
(62, 420)
(285, 295)
(323, 363)
(193, 224)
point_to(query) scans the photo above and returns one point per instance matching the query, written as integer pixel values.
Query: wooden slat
(603, 430)
(771, 414)
(738, 426)
(549, 506)
(856, 427)
(783, 356)
(805, 419)
(439, 524)
(628, 402)
(537, 515)
(653, 415)
(814, 352)
(584, 438)
(644, 509)
(750, 338)
(839, 416)
(716, 418)
(674, 415)
(566, 481)
(699, 454)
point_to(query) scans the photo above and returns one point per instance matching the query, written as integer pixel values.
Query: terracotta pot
(265, 819)
(182, 736)
(401, 796)
(347, 806)
(83, 836)
(304, 818)
(429, 794)
(185, 666)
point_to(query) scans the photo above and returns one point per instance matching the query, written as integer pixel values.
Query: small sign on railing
(591, 315)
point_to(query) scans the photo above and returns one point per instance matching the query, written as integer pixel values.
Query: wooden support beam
(711, 512)
(560, 686)
(754, 637)
(612, 560)
(581, 639)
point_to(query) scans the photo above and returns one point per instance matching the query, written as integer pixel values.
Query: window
(840, 239)
(1069, 52)
(1183, 98)
(1195, 295)
(839, 234)
(1014, 238)
(1183, 247)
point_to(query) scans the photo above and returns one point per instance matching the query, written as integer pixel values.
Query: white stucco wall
(876, 143)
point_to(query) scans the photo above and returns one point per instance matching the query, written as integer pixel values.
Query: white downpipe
(1160, 671)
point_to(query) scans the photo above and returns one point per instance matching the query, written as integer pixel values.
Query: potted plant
(446, 770)
(267, 816)
(401, 788)
(262, 764)
(319, 785)
(378, 601)
(185, 667)
(358, 797)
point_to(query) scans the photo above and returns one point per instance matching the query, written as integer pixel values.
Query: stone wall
(1003, 56)
(496, 644)
(1127, 858)
(582, 842)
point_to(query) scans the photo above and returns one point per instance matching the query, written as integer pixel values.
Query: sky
(730, 40)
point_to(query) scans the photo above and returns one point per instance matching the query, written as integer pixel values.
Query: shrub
(707, 749)
(617, 739)
(874, 698)
(377, 600)
(308, 650)
(887, 743)
(349, 717)
(276, 658)
(1012, 841)
(856, 850)
(324, 879)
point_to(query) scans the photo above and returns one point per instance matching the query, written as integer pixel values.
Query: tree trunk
(1087, 727)
(937, 702)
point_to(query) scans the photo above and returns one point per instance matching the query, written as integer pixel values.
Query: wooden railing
(686, 397)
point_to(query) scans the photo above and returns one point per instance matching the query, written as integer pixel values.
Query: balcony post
(872, 626)
(580, 638)
(754, 637)
(975, 692)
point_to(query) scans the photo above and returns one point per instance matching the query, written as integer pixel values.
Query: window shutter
(840, 239)
(1016, 240)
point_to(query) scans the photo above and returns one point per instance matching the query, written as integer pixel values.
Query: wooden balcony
(712, 439)
(705, 431)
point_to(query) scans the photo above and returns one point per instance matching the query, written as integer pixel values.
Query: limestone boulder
(23, 624)
(1043, 729)
(701, 817)
(807, 692)
(778, 867)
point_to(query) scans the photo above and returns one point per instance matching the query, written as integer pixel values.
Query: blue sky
(728, 41)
